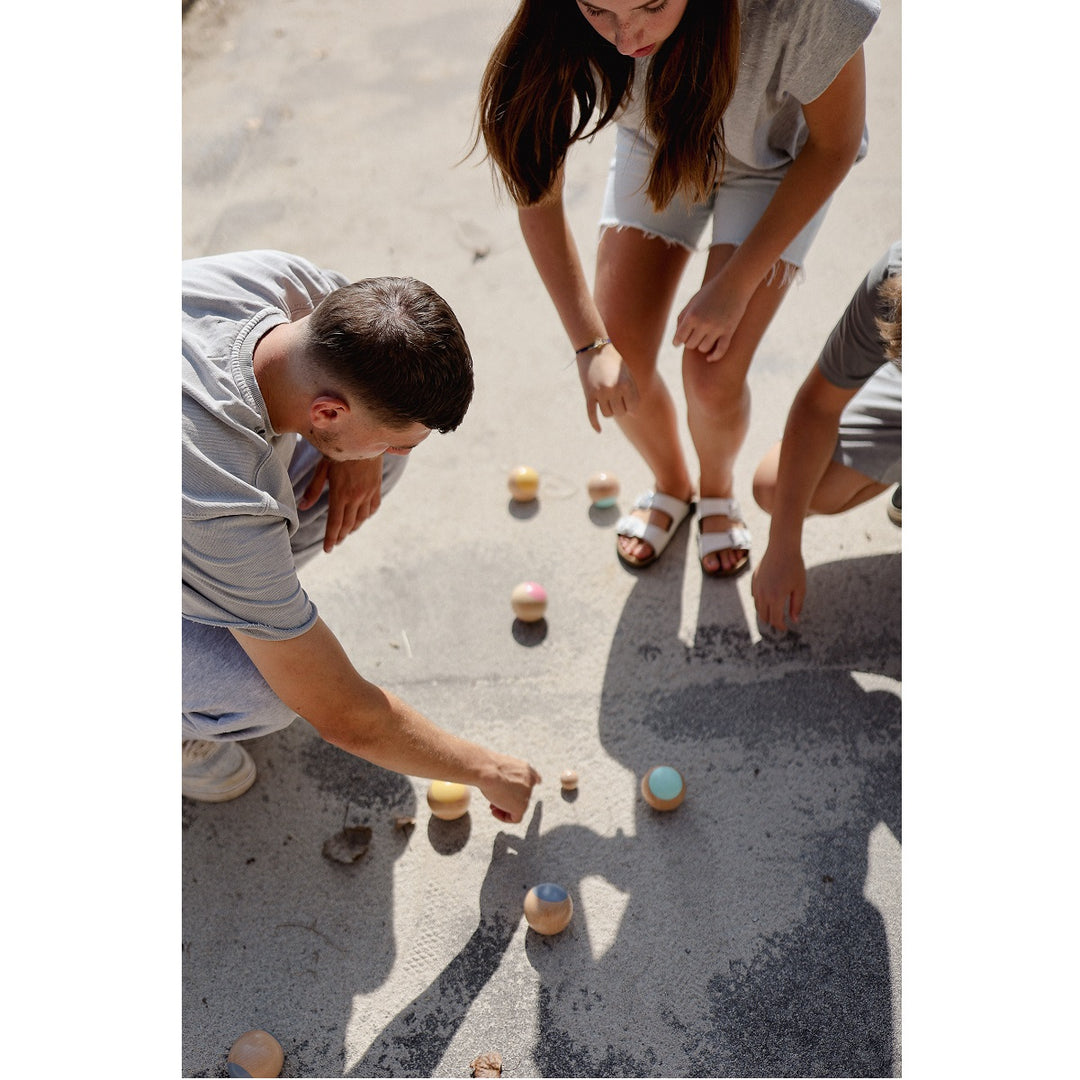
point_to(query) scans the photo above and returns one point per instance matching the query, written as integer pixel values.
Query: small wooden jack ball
(568, 779)
(523, 482)
(529, 601)
(603, 489)
(548, 908)
(448, 800)
(663, 787)
(256, 1053)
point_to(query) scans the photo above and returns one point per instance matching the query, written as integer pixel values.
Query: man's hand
(779, 583)
(355, 494)
(508, 787)
(607, 383)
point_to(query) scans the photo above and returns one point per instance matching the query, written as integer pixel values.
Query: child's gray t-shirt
(239, 509)
(790, 52)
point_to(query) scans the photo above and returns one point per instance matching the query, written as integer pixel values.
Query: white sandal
(737, 537)
(656, 537)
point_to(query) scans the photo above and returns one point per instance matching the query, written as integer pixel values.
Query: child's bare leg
(636, 280)
(840, 488)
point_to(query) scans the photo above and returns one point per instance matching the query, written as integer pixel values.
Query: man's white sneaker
(216, 771)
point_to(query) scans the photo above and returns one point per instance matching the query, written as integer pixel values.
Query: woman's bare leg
(636, 280)
(718, 401)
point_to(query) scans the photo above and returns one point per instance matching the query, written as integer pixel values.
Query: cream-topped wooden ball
(524, 483)
(447, 800)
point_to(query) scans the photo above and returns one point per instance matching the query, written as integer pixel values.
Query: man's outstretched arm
(313, 676)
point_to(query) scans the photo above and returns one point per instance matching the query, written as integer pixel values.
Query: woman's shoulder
(773, 13)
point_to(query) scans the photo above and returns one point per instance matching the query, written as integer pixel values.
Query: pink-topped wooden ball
(529, 601)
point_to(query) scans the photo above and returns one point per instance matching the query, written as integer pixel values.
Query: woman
(750, 114)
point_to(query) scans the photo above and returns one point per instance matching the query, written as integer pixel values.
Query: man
(842, 440)
(303, 396)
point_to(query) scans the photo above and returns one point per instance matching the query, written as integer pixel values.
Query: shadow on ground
(731, 937)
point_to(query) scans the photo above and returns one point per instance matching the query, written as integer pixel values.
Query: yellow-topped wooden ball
(603, 489)
(256, 1053)
(529, 601)
(663, 787)
(524, 483)
(548, 908)
(448, 800)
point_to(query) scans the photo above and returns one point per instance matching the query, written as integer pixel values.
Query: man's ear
(327, 410)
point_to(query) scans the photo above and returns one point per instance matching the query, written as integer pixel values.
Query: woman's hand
(607, 383)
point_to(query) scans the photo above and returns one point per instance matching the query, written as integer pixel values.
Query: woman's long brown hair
(551, 72)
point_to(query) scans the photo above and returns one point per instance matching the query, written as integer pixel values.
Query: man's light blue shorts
(735, 206)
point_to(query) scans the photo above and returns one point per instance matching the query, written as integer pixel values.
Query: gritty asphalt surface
(756, 930)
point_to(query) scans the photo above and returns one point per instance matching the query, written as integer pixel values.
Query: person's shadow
(282, 913)
(732, 936)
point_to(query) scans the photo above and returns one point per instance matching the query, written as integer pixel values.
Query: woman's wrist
(593, 346)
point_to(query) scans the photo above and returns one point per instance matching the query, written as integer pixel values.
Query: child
(842, 440)
(750, 113)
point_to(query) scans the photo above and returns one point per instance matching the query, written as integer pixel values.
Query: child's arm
(835, 120)
(606, 380)
(779, 580)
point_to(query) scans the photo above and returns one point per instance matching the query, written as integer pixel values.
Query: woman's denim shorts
(735, 206)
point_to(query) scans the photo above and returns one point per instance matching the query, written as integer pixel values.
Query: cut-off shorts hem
(727, 217)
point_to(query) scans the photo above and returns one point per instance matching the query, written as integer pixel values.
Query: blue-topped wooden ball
(548, 908)
(663, 787)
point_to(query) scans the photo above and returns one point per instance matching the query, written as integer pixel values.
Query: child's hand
(778, 586)
(607, 383)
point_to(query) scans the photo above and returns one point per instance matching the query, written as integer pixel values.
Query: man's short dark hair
(395, 344)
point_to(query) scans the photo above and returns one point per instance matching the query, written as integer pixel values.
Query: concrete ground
(755, 931)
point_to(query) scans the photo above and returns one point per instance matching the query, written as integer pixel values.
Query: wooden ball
(523, 482)
(529, 601)
(256, 1053)
(568, 779)
(548, 908)
(603, 489)
(663, 787)
(448, 800)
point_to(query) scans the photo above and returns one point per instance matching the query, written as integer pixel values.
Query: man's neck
(272, 363)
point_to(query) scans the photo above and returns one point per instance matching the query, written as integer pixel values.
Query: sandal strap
(653, 535)
(667, 504)
(716, 507)
(737, 538)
